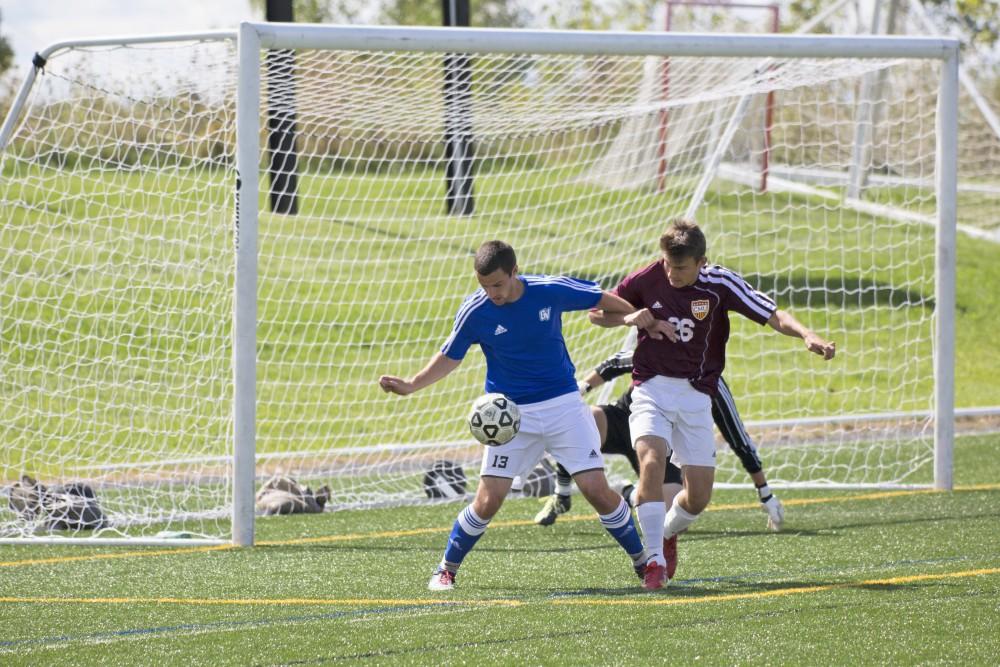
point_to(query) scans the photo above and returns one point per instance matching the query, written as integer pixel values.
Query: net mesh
(117, 282)
(979, 127)
(118, 218)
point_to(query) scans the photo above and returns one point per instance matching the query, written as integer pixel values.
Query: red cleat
(670, 555)
(654, 577)
(443, 580)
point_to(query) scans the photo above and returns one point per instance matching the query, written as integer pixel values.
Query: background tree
(485, 13)
(978, 19)
(319, 11)
(6, 53)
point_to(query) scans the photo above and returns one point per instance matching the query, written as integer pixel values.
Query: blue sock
(621, 526)
(465, 533)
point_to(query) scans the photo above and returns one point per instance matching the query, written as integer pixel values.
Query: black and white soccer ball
(445, 479)
(494, 419)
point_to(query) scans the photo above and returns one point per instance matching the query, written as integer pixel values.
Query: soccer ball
(494, 419)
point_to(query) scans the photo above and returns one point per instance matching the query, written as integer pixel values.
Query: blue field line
(187, 627)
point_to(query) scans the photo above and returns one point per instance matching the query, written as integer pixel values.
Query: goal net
(646, 145)
(121, 243)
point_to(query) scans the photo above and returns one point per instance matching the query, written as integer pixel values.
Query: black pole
(459, 150)
(282, 165)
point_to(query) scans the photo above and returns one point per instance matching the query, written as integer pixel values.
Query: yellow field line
(348, 537)
(640, 599)
(326, 539)
(122, 554)
(792, 502)
(269, 602)
(663, 601)
(877, 495)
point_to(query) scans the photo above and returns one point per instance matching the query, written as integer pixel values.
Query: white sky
(31, 25)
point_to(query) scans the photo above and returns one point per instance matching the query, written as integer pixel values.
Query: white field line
(743, 176)
(965, 413)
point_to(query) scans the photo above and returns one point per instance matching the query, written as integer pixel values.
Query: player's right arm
(438, 367)
(448, 359)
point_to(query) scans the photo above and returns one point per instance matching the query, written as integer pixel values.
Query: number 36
(685, 328)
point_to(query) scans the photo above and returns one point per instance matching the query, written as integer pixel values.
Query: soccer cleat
(627, 493)
(670, 555)
(554, 506)
(640, 570)
(775, 513)
(442, 580)
(654, 577)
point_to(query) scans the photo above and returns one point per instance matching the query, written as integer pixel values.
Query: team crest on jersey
(699, 309)
(544, 314)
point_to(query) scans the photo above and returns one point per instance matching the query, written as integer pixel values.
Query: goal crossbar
(495, 40)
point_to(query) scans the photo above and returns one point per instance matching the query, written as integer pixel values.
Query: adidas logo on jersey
(499, 330)
(593, 454)
(657, 304)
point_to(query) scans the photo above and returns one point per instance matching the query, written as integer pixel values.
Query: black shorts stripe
(601, 468)
(727, 419)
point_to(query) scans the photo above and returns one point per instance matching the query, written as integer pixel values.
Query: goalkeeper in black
(612, 423)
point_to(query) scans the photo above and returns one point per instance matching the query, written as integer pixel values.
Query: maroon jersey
(700, 312)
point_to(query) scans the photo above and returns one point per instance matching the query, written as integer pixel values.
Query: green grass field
(126, 276)
(116, 335)
(873, 577)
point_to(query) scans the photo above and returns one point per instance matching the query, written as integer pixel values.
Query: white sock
(651, 518)
(564, 489)
(676, 520)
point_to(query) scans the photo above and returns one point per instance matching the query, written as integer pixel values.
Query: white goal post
(172, 359)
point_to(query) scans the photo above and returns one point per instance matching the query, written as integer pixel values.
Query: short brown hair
(494, 255)
(683, 238)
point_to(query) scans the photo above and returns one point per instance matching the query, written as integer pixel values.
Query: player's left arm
(785, 323)
(614, 311)
(611, 310)
(614, 305)
(620, 363)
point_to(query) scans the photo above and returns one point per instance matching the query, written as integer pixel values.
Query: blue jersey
(526, 356)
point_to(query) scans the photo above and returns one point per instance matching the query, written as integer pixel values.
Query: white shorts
(672, 409)
(561, 426)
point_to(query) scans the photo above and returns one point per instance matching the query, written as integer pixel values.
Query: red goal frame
(775, 12)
